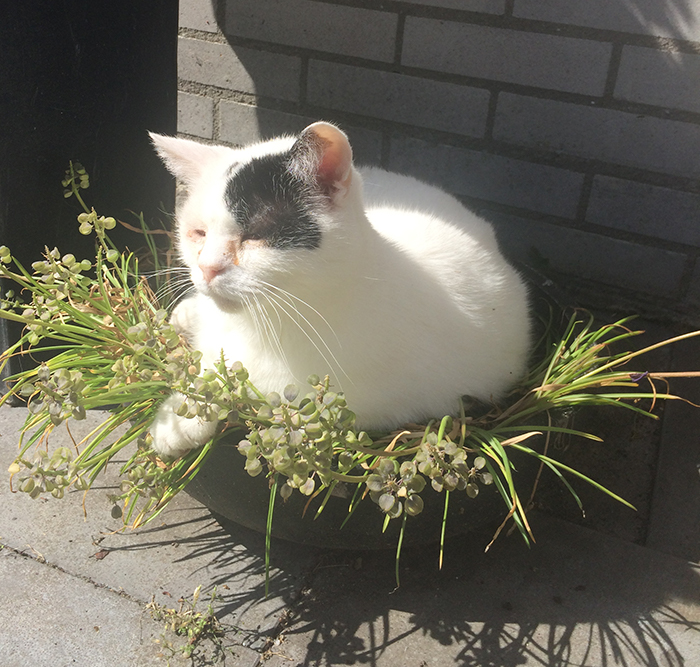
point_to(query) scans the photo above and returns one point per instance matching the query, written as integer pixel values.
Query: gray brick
(350, 31)
(399, 98)
(195, 115)
(244, 70)
(491, 177)
(655, 77)
(483, 6)
(593, 257)
(645, 209)
(545, 61)
(198, 15)
(602, 134)
(244, 124)
(648, 17)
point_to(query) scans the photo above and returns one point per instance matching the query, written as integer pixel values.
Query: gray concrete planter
(226, 488)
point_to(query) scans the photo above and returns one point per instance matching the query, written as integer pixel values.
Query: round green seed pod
(414, 505)
(386, 502)
(307, 488)
(27, 486)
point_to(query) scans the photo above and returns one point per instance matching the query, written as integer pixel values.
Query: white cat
(303, 263)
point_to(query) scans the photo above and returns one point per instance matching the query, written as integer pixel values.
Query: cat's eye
(197, 233)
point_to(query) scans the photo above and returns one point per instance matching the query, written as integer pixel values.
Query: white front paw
(173, 435)
(184, 317)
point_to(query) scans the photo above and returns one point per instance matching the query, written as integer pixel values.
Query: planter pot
(226, 488)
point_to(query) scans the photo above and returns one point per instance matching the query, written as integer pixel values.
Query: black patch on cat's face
(271, 204)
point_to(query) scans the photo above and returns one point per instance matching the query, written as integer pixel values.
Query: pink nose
(210, 272)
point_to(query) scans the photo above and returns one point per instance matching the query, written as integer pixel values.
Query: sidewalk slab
(49, 618)
(185, 548)
(577, 597)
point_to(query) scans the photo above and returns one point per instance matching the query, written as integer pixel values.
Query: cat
(303, 263)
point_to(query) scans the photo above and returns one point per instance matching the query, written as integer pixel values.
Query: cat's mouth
(225, 299)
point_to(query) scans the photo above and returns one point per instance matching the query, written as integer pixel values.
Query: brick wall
(574, 125)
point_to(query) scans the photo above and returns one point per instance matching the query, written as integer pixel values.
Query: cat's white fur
(407, 304)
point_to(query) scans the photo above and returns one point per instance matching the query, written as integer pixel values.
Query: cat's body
(304, 264)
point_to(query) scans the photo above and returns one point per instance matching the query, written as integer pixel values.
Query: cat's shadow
(572, 598)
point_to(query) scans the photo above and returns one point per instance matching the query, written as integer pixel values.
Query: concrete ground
(74, 592)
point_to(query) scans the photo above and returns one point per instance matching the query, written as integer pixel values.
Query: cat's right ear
(323, 154)
(185, 159)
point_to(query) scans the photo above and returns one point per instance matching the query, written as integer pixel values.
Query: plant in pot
(278, 461)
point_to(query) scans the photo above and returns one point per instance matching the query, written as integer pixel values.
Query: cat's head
(255, 214)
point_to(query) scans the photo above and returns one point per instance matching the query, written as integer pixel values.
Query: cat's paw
(184, 317)
(174, 436)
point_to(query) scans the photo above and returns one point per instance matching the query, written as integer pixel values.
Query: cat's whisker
(271, 334)
(177, 292)
(277, 299)
(284, 292)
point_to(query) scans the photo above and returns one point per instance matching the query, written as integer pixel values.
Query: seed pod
(387, 466)
(313, 429)
(417, 483)
(308, 487)
(450, 481)
(386, 502)
(472, 490)
(396, 511)
(407, 470)
(274, 399)
(116, 512)
(329, 398)
(291, 391)
(286, 491)
(345, 460)
(253, 467)
(27, 486)
(414, 505)
(375, 483)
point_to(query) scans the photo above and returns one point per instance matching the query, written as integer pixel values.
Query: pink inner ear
(334, 168)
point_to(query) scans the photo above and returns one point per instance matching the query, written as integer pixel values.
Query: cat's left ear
(185, 159)
(323, 154)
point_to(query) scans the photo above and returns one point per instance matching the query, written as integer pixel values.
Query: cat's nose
(210, 271)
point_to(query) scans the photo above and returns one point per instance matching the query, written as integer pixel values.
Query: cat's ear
(323, 154)
(185, 159)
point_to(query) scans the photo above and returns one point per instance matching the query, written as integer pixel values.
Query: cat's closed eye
(197, 234)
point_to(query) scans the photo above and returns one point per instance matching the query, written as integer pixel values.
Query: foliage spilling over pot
(105, 335)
